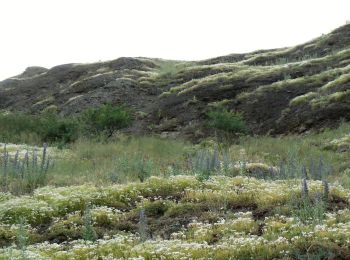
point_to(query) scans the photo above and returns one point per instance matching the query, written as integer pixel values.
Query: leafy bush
(227, 121)
(106, 119)
(54, 129)
(17, 127)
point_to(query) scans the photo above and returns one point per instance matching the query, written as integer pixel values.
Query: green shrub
(227, 121)
(106, 119)
(54, 129)
(17, 127)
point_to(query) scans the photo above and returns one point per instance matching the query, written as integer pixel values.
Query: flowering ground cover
(179, 217)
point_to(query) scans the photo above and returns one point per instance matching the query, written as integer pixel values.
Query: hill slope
(278, 91)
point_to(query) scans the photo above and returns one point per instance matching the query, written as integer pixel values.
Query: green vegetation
(224, 217)
(170, 68)
(106, 119)
(121, 160)
(128, 159)
(303, 99)
(341, 144)
(95, 192)
(325, 100)
(261, 197)
(88, 230)
(24, 174)
(21, 128)
(53, 129)
(343, 79)
(227, 121)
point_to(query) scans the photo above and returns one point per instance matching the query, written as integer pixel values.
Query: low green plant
(88, 229)
(22, 238)
(142, 226)
(309, 209)
(143, 167)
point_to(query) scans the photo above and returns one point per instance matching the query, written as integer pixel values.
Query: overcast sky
(51, 32)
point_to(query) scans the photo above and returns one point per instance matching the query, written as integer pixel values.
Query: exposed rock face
(278, 91)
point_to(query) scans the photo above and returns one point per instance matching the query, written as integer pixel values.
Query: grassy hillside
(278, 91)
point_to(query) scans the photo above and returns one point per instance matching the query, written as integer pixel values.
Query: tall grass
(125, 158)
(305, 150)
(118, 161)
(24, 171)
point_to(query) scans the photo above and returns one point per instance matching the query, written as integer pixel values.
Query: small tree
(227, 121)
(106, 119)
